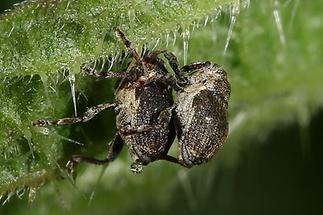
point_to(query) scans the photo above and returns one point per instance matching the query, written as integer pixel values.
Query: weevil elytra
(200, 113)
(143, 104)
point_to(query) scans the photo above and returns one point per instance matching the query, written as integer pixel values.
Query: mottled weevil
(143, 106)
(200, 113)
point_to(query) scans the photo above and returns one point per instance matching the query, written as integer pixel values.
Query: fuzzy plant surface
(43, 45)
(272, 51)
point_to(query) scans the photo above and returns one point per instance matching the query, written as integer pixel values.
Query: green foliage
(275, 83)
(46, 36)
(42, 44)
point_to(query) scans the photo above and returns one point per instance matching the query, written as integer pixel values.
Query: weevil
(200, 113)
(143, 106)
(147, 117)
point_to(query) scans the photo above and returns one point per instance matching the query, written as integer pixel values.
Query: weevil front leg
(122, 74)
(114, 150)
(173, 62)
(179, 73)
(89, 114)
(195, 66)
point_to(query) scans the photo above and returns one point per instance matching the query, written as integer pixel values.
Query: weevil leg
(173, 62)
(195, 66)
(114, 150)
(162, 121)
(154, 54)
(89, 114)
(172, 160)
(115, 147)
(172, 59)
(165, 116)
(127, 43)
(139, 129)
(136, 167)
(168, 80)
(151, 57)
(95, 73)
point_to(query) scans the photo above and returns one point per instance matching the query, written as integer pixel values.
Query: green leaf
(275, 85)
(43, 43)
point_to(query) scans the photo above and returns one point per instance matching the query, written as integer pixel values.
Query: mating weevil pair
(148, 119)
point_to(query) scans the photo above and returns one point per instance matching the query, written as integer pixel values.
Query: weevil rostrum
(147, 118)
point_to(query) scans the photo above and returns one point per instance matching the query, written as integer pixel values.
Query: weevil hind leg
(114, 150)
(89, 114)
(171, 138)
(173, 160)
(115, 147)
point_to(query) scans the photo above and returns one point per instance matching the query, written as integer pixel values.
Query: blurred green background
(272, 162)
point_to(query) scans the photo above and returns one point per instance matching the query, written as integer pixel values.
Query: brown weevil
(200, 113)
(143, 106)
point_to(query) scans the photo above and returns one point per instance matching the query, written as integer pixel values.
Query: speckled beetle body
(200, 113)
(143, 106)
